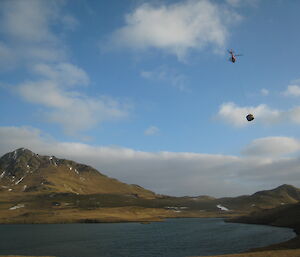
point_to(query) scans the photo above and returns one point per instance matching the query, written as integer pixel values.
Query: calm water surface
(173, 238)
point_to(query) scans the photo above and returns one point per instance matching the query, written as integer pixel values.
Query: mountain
(284, 194)
(283, 216)
(46, 189)
(23, 171)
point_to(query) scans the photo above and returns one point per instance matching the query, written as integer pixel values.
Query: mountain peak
(288, 189)
(25, 171)
(280, 195)
(18, 152)
(285, 186)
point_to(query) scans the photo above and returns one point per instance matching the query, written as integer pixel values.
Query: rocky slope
(23, 171)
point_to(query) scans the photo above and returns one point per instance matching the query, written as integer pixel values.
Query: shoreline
(291, 244)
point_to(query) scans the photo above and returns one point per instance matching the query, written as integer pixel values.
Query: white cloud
(236, 115)
(292, 90)
(26, 28)
(45, 92)
(29, 20)
(63, 73)
(272, 146)
(74, 111)
(176, 28)
(181, 173)
(264, 91)
(152, 130)
(166, 75)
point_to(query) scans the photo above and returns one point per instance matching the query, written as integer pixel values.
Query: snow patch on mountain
(222, 208)
(17, 206)
(19, 180)
(2, 174)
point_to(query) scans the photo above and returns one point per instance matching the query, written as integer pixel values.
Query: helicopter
(233, 56)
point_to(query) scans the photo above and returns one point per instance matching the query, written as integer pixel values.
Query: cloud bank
(272, 146)
(173, 173)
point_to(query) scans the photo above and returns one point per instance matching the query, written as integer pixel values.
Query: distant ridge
(23, 171)
(266, 199)
(283, 216)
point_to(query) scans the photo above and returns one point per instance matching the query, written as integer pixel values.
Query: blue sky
(150, 80)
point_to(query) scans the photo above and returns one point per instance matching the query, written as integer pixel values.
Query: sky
(144, 92)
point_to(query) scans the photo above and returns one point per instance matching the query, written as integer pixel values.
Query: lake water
(172, 238)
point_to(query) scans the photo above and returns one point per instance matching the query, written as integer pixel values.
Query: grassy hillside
(282, 195)
(23, 171)
(283, 216)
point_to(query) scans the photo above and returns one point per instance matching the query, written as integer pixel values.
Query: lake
(172, 238)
